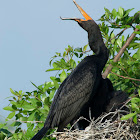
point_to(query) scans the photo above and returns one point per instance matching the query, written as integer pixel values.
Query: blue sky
(31, 32)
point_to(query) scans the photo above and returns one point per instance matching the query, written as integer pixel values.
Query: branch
(109, 68)
(135, 84)
(26, 121)
(118, 33)
(126, 77)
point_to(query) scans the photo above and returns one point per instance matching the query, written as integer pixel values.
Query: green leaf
(59, 54)
(123, 38)
(47, 101)
(107, 15)
(121, 11)
(126, 117)
(63, 75)
(23, 118)
(119, 42)
(9, 108)
(138, 32)
(11, 115)
(20, 92)
(78, 49)
(12, 91)
(54, 69)
(70, 48)
(15, 93)
(79, 57)
(39, 104)
(51, 94)
(14, 103)
(20, 135)
(28, 107)
(29, 133)
(112, 36)
(46, 107)
(127, 12)
(135, 100)
(64, 54)
(33, 101)
(85, 48)
(15, 136)
(135, 107)
(6, 132)
(43, 97)
(72, 63)
(60, 64)
(31, 117)
(76, 54)
(139, 92)
(135, 119)
(35, 85)
(114, 12)
(55, 65)
(137, 54)
(2, 125)
(138, 27)
(54, 82)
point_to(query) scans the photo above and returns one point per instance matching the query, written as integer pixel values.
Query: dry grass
(103, 129)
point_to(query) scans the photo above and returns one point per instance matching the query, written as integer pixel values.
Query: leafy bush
(32, 107)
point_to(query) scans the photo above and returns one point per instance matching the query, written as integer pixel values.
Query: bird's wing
(72, 95)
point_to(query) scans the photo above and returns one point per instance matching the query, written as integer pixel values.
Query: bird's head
(94, 35)
(87, 24)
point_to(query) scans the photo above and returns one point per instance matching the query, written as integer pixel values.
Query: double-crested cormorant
(81, 85)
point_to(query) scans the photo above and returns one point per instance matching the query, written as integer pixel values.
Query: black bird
(118, 101)
(106, 100)
(81, 85)
(96, 105)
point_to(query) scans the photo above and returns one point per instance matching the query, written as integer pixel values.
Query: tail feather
(40, 134)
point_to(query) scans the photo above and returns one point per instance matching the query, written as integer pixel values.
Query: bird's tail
(40, 134)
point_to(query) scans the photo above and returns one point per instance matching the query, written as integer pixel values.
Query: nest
(104, 129)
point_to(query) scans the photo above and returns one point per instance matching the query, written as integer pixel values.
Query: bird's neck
(97, 45)
(101, 52)
(102, 55)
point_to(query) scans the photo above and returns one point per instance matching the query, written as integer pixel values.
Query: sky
(31, 31)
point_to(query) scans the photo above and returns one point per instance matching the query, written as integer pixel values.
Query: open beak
(85, 15)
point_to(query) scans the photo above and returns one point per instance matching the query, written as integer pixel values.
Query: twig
(109, 68)
(126, 77)
(118, 33)
(86, 51)
(135, 84)
(26, 121)
(81, 118)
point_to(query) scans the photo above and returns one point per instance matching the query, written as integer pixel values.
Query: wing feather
(73, 98)
(72, 94)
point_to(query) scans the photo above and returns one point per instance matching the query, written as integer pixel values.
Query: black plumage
(117, 102)
(106, 100)
(96, 105)
(81, 85)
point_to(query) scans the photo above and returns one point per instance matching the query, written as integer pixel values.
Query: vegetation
(32, 107)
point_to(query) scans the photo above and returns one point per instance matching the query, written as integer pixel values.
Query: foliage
(4, 131)
(135, 108)
(128, 65)
(32, 107)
